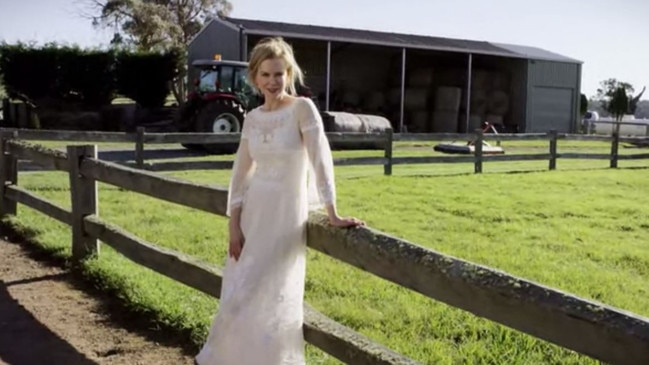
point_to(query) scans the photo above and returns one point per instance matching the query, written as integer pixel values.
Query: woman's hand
(236, 241)
(345, 222)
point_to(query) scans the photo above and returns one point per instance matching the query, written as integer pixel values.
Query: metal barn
(420, 83)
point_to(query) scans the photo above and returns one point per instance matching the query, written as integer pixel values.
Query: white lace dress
(260, 317)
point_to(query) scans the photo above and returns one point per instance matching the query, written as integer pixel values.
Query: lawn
(582, 231)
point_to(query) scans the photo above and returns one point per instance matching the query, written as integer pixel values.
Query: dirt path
(48, 317)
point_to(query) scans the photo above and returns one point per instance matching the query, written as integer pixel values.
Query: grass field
(581, 229)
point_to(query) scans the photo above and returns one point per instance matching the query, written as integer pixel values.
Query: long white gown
(283, 167)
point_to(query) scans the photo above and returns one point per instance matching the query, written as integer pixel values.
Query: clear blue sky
(612, 40)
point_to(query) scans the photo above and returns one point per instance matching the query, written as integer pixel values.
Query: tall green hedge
(145, 77)
(29, 71)
(90, 77)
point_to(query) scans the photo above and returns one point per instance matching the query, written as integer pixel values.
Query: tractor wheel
(221, 116)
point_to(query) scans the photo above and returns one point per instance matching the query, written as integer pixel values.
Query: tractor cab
(217, 78)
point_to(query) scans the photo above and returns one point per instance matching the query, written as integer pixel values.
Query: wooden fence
(142, 138)
(593, 329)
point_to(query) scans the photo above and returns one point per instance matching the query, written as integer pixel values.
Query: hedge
(89, 77)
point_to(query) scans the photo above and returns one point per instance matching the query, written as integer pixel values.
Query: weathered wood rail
(596, 330)
(478, 158)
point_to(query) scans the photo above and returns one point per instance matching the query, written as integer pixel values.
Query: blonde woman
(283, 167)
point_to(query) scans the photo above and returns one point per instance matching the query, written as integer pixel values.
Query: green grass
(581, 231)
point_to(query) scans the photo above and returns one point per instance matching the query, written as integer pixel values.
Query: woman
(283, 166)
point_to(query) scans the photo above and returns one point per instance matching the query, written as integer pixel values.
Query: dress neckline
(285, 107)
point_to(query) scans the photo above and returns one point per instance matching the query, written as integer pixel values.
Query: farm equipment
(218, 103)
(469, 147)
(222, 97)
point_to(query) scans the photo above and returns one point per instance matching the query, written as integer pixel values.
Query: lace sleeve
(242, 170)
(321, 173)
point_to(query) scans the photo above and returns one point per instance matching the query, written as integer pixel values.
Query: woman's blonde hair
(275, 47)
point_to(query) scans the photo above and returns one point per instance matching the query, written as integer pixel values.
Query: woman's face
(271, 78)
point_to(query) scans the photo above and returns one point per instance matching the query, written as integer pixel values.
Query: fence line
(588, 327)
(386, 140)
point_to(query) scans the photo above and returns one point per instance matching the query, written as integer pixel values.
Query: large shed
(420, 83)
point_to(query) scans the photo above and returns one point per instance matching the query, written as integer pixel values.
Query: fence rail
(386, 140)
(588, 327)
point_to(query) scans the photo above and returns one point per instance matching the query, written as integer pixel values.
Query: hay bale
(374, 123)
(445, 121)
(345, 122)
(498, 103)
(359, 123)
(448, 98)
(479, 101)
(416, 99)
(482, 79)
(421, 77)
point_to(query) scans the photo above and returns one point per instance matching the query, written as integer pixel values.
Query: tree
(618, 106)
(619, 103)
(157, 25)
(609, 88)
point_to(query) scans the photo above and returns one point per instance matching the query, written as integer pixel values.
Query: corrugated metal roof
(534, 53)
(290, 30)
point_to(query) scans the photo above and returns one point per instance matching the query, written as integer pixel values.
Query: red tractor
(219, 101)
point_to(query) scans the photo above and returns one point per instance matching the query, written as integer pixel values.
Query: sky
(611, 40)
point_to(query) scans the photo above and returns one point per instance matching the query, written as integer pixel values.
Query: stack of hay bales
(480, 86)
(417, 97)
(489, 98)
(447, 109)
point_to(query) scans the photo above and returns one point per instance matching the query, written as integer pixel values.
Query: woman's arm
(321, 160)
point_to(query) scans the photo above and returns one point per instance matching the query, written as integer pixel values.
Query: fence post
(614, 146)
(553, 149)
(139, 148)
(8, 173)
(387, 168)
(477, 145)
(83, 194)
